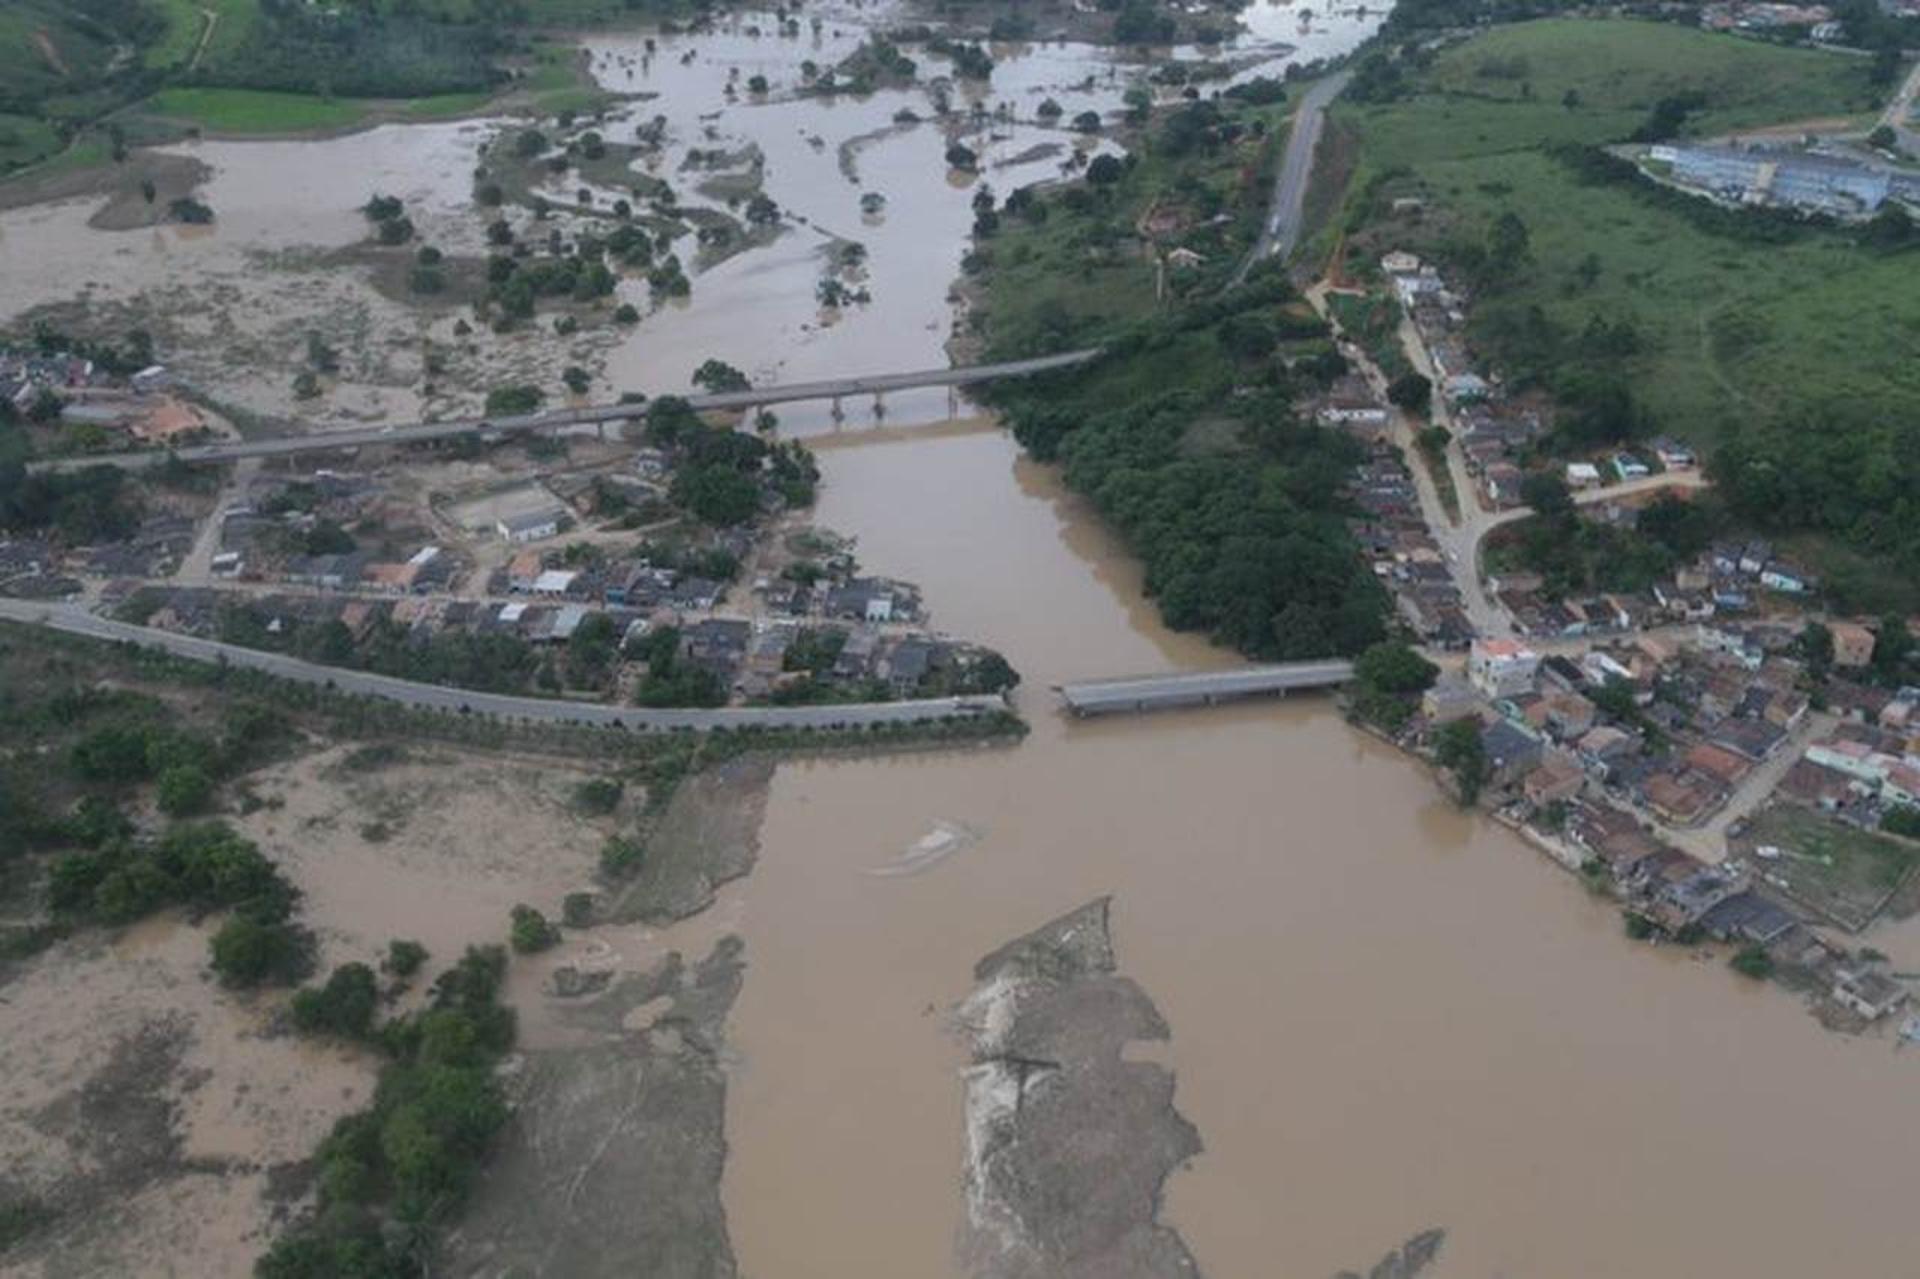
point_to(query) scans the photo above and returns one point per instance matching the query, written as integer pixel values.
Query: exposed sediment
(611, 1165)
(1068, 1143)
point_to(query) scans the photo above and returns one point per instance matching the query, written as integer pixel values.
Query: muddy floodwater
(1385, 1015)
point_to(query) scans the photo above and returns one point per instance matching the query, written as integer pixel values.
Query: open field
(1726, 328)
(1844, 873)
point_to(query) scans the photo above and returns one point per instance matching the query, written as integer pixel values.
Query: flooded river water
(1386, 1015)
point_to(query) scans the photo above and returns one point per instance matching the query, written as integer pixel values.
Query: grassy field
(1837, 870)
(255, 111)
(42, 52)
(25, 140)
(1728, 328)
(234, 21)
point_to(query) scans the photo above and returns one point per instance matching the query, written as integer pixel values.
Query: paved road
(1899, 114)
(1285, 213)
(77, 621)
(416, 432)
(1199, 688)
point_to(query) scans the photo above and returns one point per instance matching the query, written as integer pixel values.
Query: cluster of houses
(138, 405)
(33, 568)
(1703, 716)
(1682, 896)
(749, 657)
(1600, 777)
(1737, 15)
(1395, 537)
(1833, 183)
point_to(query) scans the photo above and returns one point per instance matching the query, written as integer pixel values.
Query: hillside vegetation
(1783, 348)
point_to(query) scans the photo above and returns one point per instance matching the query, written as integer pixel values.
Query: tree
(344, 1006)
(1753, 961)
(1815, 647)
(717, 376)
(577, 379)
(530, 931)
(506, 400)
(1105, 170)
(1882, 137)
(761, 210)
(1394, 668)
(1548, 495)
(626, 313)
(1457, 747)
(1507, 245)
(248, 952)
(1411, 391)
(148, 191)
(962, 157)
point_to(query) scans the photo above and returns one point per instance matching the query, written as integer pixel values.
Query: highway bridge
(1199, 688)
(593, 415)
(74, 620)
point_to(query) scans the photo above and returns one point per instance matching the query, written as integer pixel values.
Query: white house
(1400, 262)
(1582, 475)
(1502, 667)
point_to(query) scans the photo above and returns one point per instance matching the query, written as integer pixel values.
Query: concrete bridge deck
(592, 415)
(1199, 688)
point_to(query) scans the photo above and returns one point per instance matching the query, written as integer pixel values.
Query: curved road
(77, 621)
(416, 432)
(1287, 211)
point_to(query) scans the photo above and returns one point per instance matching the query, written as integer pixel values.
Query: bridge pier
(879, 406)
(839, 414)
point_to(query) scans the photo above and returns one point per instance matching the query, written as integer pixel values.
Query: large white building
(1502, 667)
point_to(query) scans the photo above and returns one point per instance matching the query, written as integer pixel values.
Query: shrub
(184, 790)
(530, 932)
(404, 957)
(247, 952)
(344, 1006)
(621, 857)
(599, 796)
(1754, 962)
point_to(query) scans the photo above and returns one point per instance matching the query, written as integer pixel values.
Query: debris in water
(941, 841)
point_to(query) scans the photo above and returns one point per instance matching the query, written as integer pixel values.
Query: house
(523, 570)
(717, 643)
(1511, 751)
(1400, 262)
(1872, 995)
(1558, 778)
(1856, 759)
(1629, 467)
(1568, 715)
(1448, 700)
(1747, 916)
(1816, 786)
(907, 663)
(1674, 455)
(530, 526)
(1184, 259)
(1785, 579)
(1466, 388)
(1852, 644)
(1681, 798)
(1717, 762)
(555, 582)
(1501, 667)
(1582, 475)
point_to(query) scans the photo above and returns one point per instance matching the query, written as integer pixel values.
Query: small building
(1629, 467)
(1512, 752)
(1558, 778)
(1582, 475)
(1872, 995)
(530, 526)
(1448, 700)
(1852, 644)
(555, 582)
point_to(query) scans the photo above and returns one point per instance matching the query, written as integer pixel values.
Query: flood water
(1386, 1015)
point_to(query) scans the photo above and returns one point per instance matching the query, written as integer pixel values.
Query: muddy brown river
(1386, 1015)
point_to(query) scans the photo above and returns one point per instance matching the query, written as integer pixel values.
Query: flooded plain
(1386, 1015)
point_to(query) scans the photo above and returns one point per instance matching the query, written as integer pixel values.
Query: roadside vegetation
(1777, 346)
